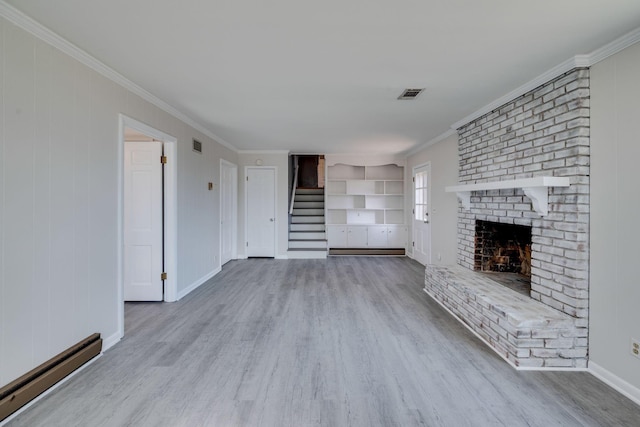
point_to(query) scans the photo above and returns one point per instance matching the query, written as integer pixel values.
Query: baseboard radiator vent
(18, 393)
(366, 251)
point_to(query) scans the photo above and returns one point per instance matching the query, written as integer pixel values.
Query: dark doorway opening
(308, 171)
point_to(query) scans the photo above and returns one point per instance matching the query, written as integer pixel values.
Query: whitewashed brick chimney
(542, 133)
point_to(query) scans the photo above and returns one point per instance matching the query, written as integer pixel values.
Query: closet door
(261, 212)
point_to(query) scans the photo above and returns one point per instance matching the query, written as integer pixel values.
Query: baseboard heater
(366, 251)
(18, 393)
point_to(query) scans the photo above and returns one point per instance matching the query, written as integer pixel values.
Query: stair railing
(293, 189)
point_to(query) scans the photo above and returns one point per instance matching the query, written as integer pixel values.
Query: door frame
(275, 208)
(170, 184)
(234, 238)
(413, 206)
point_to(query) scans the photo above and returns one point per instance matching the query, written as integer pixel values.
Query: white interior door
(143, 252)
(228, 197)
(421, 214)
(261, 218)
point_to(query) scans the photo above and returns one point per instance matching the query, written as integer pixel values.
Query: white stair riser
(297, 212)
(308, 227)
(309, 191)
(320, 235)
(307, 219)
(309, 198)
(308, 244)
(308, 205)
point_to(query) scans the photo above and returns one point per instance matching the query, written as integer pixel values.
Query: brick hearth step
(527, 333)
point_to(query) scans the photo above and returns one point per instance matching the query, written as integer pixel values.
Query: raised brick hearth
(542, 133)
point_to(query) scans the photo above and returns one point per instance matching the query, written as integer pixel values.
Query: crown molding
(30, 25)
(578, 61)
(431, 142)
(614, 47)
(543, 78)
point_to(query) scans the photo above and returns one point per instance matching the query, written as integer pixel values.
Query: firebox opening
(505, 249)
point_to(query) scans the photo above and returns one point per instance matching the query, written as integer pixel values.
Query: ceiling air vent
(197, 146)
(410, 93)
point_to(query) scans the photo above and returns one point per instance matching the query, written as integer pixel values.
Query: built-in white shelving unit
(365, 205)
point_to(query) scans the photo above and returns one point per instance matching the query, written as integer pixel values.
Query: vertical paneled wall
(614, 284)
(59, 192)
(443, 158)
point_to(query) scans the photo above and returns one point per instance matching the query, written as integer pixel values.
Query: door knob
(271, 219)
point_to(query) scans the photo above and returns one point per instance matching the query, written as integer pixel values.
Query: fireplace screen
(503, 248)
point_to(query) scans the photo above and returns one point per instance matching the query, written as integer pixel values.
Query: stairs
(307, 234)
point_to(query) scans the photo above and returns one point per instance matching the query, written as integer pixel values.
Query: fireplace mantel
(534, 188)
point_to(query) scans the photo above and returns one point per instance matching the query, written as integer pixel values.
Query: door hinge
(163, 160)
(247, 178)
(414, 179)
(247, 244)
(163, 276)
(413, 244)
(413, 211)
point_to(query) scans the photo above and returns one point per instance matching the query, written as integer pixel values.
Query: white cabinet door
(337, 236)
(397, 237)
(357, 237)
(377, 236)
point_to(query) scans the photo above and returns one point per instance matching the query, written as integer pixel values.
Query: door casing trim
(170, 211)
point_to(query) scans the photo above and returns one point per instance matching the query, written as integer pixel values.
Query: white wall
(59, 191)
(198, 208)
(279, 159)
(615, 209)
(443, 157)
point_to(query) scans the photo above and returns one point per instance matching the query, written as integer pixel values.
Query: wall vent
(410, 93)
(197, 146)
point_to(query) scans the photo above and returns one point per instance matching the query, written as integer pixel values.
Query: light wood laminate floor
(347, 341)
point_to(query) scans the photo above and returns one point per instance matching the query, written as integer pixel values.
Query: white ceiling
(323, 76)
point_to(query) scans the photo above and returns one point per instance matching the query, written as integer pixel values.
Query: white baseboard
(183, 293)
(110, 341)
(607, 377)
(282, 257)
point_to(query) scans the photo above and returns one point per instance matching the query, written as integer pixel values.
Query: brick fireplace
(544, 133)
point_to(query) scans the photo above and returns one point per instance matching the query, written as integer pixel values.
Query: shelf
(365, 216)
(534, 188)
(342, 171)
(337, 187)
(336, 216)
(385, 172)
(342, 201)
(395, 216)
(394, 187)
(358, 186)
